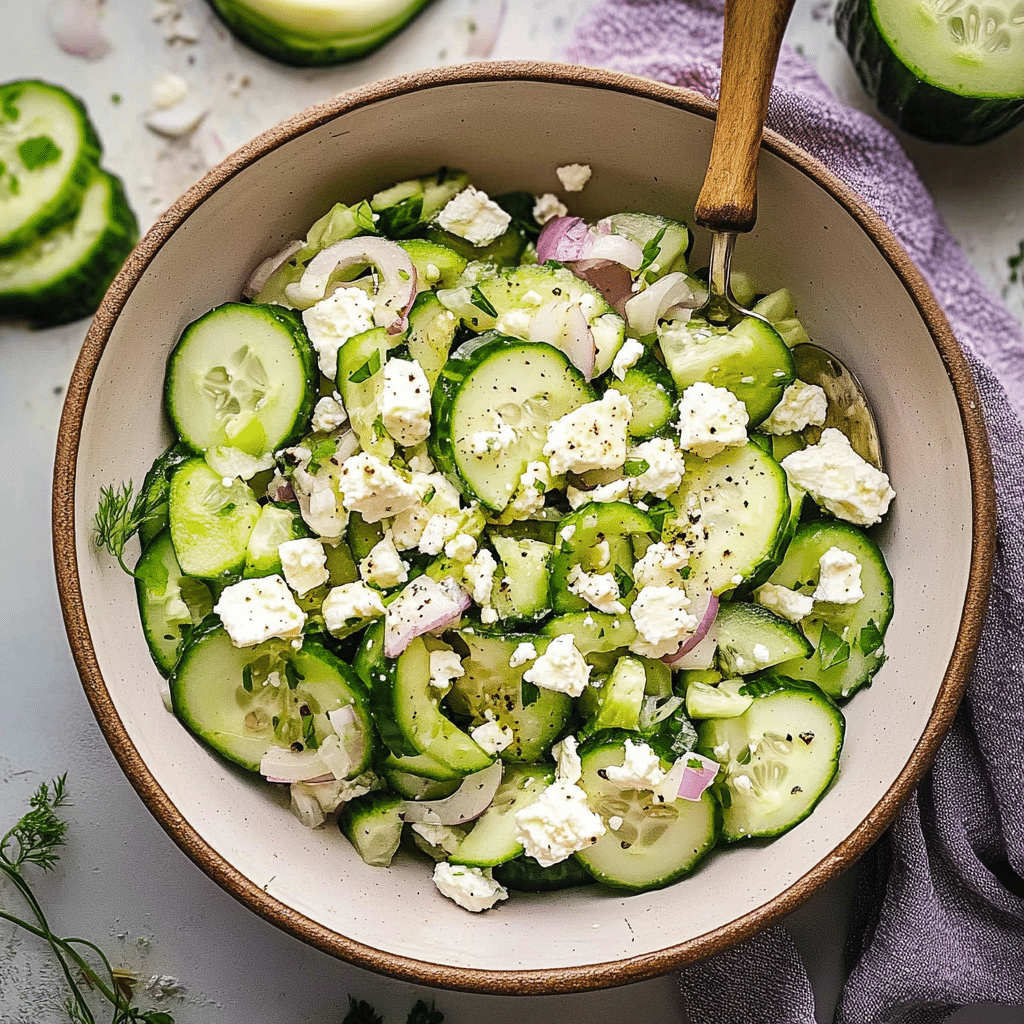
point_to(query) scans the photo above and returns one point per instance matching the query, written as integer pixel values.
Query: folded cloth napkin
(939, 917)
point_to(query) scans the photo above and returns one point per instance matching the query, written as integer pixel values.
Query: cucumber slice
(437, 266)
(481, 305)
(490, 686)
(619, 699)
(524, 874)
(276, 524)
(492, 839)
(526, 386)
(432, 330)
(656, 843)
(505, 251)
(156, 486)
(219, 693)
(847, 639)
(652, 394)
(49, 152)
(210, 523)
(743, 500)
(593, 632)
(751, 360)
(63, 275)
(170, 603)
(372, 823)
(405, 209)
(302, 34)
(406, 712)
(360, 380)
(751, 638)
(244, 376)
(522, 593)
(666, 243)
(779, 756)
(946, 72)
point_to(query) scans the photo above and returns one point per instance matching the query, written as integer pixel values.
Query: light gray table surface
(122, 882)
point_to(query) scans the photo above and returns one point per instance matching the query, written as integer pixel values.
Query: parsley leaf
(402, 220)
(321, 451)
(635, 467)
(833, 650)
(367, 370)
(870, 639)
(651, 250)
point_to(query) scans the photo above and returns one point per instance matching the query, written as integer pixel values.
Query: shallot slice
(396, 286)
(644, 310)
(705, 606)
(469, 801)
(262, 274)
(424, 605)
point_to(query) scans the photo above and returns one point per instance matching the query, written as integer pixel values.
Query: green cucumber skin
(296, 49)
(63, 206)
(916, 106)
(79, 291)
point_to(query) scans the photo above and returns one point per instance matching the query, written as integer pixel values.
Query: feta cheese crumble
(627, 356)
(573, 176)
(548, 206)
(640, 768)
(710, 420)
(568, 766)
(330, 322)
(445, 668)
(561, 667)
(405, 402)
(666, 466)
(523, 654)
(590, 437)
(598, 589)
(661, 620)
(304, 564)
(384, 567)
(839, 480)
(839, 579)
(471, 888)
(492, 737)
(348, 603)
(373, 489)
(557, 824)
(784, 602)
(660, 566)
(329, 414)
(474, 216)
(802, 405)
(255, 610)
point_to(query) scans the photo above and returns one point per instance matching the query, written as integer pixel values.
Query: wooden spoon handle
(753, 37)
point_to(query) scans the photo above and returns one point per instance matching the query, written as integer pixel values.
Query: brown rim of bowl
(588, 976)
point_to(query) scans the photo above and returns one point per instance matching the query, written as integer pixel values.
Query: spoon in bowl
(727, 204)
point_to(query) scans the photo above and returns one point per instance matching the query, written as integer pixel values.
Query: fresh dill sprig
(120, 515)
(37, 839)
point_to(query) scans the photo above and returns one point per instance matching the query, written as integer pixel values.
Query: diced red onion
(469, 801)
(644, 310)
(705, 606)
(75, 25)
(424, 605)
(262, 274)
(396, 288)
(694, 781)
(568, 239)
(280, 489)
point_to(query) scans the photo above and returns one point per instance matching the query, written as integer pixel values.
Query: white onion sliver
(694, 780)
(469, 801)
(396, 288)
(644, 310)
(262, 274)
(424, 605)
(75, 25)
(281, 764)
(564, 326)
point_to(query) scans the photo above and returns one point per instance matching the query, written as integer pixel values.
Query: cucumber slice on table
(48, 155)
(63, 275)
(528, 386)
(656, 843)
(779, 756)
(242, 376)
(219, 693)
(302, 34)
(847, 638)
(946, 72)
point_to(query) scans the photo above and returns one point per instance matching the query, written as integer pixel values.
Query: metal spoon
(727, 204)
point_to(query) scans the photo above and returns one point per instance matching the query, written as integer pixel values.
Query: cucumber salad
(483, 544)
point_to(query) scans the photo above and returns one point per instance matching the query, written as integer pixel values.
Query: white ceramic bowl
(510, 126)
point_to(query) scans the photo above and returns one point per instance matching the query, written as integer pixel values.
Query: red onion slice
(569, 239)
(705, 607)
(644, 310)
(262, 274)
(698, 774)
(396, 287)
(424, 605)
(469, 801)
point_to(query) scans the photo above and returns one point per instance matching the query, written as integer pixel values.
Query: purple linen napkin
(939, 918)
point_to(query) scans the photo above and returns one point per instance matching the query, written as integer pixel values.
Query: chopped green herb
(320, 453)
(247, 678)
(402, 220)
(379, 429)
(481, 302)
(309, 732)
(530, 693)
(429, 496)
(422, 1014)
(832, 649)
(121, 514)
(367, 370)
(635, 467)
(292, 674)
(870, 638)
(623, 580)
(650, 251)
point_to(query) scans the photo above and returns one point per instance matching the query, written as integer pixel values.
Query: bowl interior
(648, 147)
